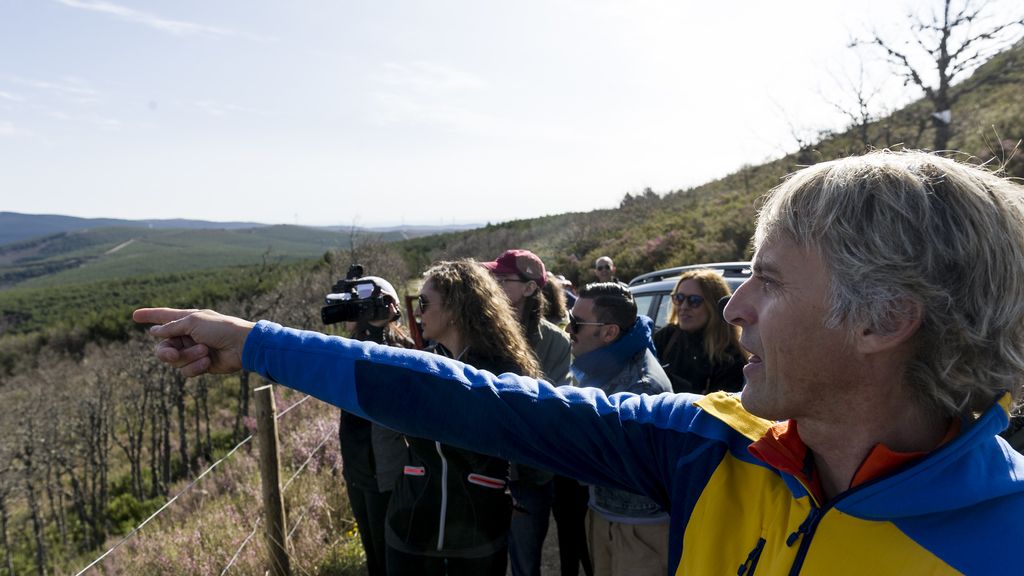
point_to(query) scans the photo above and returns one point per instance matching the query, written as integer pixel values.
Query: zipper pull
(804, 526)
(751, 558)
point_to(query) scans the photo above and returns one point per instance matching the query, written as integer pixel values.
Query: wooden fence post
(270, 473)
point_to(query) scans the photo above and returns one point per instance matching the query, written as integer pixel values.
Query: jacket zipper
(810, 524)
(444, 497)
(806, 530)
(748, 566)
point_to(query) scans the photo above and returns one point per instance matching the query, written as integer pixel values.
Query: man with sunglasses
(885, 323)
(604, 270)
(613, 351)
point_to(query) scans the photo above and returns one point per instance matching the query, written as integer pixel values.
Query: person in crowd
(371, 454)
(627, 533)
(885, 323)
(555, 310)
(458, 526)
(699, 350)
(571, 498)
(522, 276)
(568, 290)
(604, 270)
(449, 513)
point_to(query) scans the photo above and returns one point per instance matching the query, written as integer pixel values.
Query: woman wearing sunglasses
(699, 350)
(449, 514)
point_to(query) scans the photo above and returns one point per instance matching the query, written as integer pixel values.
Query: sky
(384, 112)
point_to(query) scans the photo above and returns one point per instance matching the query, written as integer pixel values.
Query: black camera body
(355, 299)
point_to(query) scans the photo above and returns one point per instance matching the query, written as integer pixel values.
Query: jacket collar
(609, 360)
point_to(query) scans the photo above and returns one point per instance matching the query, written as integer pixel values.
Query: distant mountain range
(15, 226)
(51, 250)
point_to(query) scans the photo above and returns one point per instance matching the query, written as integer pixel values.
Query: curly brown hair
(481, 312)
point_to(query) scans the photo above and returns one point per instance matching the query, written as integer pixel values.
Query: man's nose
(738, 310)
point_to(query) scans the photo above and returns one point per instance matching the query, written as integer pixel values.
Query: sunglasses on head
(691, 300)
(574, 324)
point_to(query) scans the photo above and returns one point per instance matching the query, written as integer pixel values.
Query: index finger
(159, 315)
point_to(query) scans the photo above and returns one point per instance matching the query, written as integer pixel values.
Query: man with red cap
(521, 275)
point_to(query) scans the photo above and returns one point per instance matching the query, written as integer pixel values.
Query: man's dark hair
(613, 304)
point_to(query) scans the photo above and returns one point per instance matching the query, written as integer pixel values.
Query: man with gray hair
(885, 322)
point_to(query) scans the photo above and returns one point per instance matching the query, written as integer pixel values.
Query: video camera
(355, 299)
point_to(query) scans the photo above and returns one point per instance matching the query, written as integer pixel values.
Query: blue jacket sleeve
(624, 441)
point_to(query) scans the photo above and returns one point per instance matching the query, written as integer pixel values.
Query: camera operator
(372, 455)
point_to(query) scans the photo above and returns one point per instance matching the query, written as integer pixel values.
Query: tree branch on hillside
(954, 51)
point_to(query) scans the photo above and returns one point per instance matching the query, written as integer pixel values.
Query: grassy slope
(715, 221)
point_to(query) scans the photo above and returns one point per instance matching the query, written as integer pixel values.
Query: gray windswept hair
(902, 230)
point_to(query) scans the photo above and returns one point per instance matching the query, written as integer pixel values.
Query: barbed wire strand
(165, 506)
(255, 527)
(288, 409)
(327, 437)
(301, 516)
(182, 491)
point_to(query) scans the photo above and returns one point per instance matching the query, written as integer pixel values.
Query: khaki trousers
(618, 549)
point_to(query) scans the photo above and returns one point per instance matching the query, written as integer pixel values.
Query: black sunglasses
(574, 325)
(602, 268)
(691, 300)
(422, 303)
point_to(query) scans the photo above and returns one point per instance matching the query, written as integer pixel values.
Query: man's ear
(610, 333)
(897, 327)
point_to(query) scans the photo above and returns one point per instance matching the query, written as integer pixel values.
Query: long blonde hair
(480, 311)
(719, 335)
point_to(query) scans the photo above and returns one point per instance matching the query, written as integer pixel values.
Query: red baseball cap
(522, 263)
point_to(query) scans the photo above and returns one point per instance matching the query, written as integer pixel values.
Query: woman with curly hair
(699, 350)
(449, 514)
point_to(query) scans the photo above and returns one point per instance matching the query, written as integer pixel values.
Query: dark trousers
(529, 526)
(370, 509)
(402, 564)
(570, 511)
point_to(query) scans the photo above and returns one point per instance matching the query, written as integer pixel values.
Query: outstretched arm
(197, 341)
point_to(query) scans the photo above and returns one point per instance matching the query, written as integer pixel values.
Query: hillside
(92, 254)
(16, 227)
(714, 221)
(111, 253)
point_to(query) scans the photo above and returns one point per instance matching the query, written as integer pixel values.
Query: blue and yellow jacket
(960, 509)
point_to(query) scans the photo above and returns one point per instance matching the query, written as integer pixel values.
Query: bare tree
(857, 103)
(955, 42)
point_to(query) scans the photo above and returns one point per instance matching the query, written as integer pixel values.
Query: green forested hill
(115, 253)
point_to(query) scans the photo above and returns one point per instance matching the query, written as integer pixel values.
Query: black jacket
(682, 355)
(370, 454)
(449, 501)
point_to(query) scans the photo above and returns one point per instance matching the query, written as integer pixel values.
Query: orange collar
(782, 448)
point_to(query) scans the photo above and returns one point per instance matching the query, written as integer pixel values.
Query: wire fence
(207, 471)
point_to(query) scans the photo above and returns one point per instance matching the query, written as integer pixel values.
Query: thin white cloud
(429, 78)
(429, 93)
(11, 97)
(69, 88)
(221, 109)
(175, 27)
(9, 129)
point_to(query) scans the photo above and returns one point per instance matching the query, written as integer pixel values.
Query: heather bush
(220, 515)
